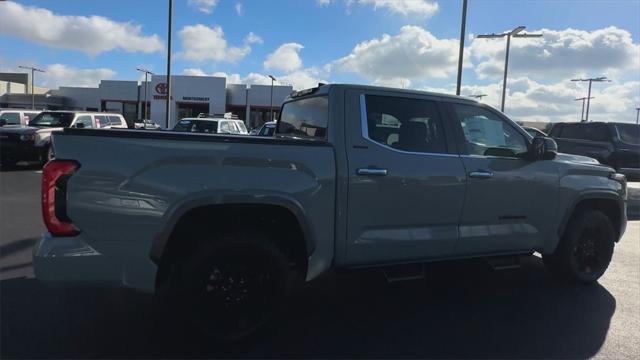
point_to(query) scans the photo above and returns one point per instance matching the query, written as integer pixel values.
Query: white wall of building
(187, 90)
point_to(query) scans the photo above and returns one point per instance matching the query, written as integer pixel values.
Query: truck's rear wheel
(585, 250)
(232, 287)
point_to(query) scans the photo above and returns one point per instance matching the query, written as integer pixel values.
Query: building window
(259, 116)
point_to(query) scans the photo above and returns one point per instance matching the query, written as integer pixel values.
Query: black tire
(232, 286)
(585, 249)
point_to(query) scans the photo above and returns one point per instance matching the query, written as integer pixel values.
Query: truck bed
(133, 185)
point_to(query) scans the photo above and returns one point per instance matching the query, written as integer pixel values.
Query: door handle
(372, 171)
(481, 174)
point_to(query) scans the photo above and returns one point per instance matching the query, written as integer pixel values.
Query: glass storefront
(185, 110)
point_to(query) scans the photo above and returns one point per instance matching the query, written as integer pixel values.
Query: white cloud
(202, 43)
(89, 34)
(323, 2)
(238, 8)
(301, 79)
(529, 100)
(412, 54)
(57, 75)
(285, 58)
(421, 8)
(205, 6)
(559, 53)
(252, 38)
(194, 72)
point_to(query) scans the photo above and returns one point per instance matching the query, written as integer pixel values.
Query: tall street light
(515, 33)
(637, 115)
(167, 109)
(463, 25)
(33, 70)
(582, 99)
(591, 80)
(272, 80)
(146, 83)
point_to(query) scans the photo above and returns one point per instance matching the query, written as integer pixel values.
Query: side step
(507, 262)
(403, 272)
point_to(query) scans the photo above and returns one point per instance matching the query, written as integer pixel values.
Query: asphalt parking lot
(461, 310)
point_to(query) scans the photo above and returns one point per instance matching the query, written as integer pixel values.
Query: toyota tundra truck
(355, 176)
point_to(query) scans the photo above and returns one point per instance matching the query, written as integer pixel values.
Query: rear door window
(305, 118)
(114, 120)
(101, 121)
(85, 120)
(592, 132)
(11, 118)
(629, 133)
(405, 124)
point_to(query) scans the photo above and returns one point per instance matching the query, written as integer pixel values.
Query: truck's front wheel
(585, 249)
(231, 287)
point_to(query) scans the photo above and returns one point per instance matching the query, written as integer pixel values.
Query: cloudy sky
(399, 43)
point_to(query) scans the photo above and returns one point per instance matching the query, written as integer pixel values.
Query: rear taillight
(54, 196)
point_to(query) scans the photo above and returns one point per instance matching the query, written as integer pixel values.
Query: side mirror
(543, 148)
(80, 125)
(3, 122)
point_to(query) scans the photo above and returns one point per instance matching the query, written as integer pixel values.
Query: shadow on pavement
(21, 167)
(16, 246)
(463, 310)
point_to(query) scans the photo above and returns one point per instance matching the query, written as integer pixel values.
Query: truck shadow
(463, 310)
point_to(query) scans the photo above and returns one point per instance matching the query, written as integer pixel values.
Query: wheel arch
(606, 201)
(182, 211)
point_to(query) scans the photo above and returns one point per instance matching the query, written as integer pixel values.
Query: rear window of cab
(305, 118)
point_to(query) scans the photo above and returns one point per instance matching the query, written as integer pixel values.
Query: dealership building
(190, 96)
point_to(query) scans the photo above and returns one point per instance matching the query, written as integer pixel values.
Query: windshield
(267, 130)
(629, 133)
(52, 119)
(199, 126)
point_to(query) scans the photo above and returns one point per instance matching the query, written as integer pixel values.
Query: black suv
(613, 144)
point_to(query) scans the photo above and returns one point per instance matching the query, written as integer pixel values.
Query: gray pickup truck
(356, 176)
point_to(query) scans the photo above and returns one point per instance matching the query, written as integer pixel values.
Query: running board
(507, 262)
(404, 272)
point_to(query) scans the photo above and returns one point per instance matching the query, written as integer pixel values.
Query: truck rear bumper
(72, 261)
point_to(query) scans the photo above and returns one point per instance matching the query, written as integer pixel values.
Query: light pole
(168, 103)
(583, 99)
(33, 70)
(637, 115)
(513, 33)
(271, 106)
(146, 83)
(463, 26)
(591, 80)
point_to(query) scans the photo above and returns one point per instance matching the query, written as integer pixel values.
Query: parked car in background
(225, 227)
(613, 144)
(33, 142)
(17, 116)
(534, 132)
(268, 129)
(211, 125)
(147, 125)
